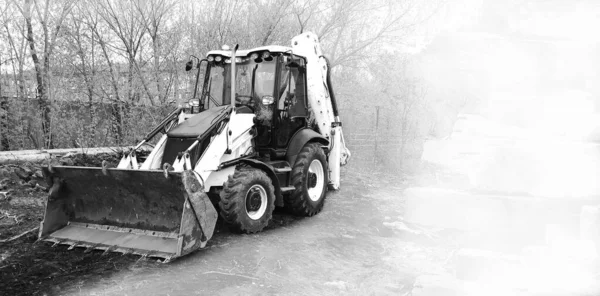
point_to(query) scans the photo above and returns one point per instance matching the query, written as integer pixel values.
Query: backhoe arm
(323, 106)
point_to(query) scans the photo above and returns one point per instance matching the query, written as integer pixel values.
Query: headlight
(218, 58)
(267, 56)
(210, 58)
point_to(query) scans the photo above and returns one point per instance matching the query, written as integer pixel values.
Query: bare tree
(4, 143)
(82, 41)
(92, 21)
(349, 29)
(21, 131)
(269, 19)
(217, 23)
(303, 12)
(153, 15)
(125, 23)
(124, 54)
(49, 18)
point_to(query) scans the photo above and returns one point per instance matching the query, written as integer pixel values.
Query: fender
(299, 139)
(257, 164)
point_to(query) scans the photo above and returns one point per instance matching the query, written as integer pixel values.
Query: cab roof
(247, 52)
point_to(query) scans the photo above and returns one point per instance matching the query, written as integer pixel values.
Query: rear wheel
(247, 200)
(309, 177)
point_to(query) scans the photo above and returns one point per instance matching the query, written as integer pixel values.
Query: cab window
(292, 95)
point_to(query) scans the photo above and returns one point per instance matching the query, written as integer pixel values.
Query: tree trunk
(4, 143)
(91, 115)
(21, 96)
(117, 122)
(130, 91)
(159, 88)
(89, 82)
(42, 95)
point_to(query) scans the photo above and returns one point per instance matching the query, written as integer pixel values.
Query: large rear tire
(309, 177)
(247, 200)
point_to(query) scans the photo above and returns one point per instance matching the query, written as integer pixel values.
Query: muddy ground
(28, 267)
(358, 245)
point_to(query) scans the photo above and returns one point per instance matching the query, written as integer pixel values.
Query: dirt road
(351, 247)
(358, 245)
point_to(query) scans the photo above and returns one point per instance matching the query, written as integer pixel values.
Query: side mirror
(189, 65)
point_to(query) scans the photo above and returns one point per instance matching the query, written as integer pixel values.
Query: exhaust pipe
(233, 76)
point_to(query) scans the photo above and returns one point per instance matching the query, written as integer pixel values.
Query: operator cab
(270, 83)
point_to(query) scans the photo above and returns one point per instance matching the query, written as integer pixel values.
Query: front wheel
(309, 177)
(247, 200)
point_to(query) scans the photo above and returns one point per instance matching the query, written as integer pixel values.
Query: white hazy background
(505, 93)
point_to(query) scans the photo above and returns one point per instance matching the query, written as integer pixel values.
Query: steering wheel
(250, 98)
(248, 102)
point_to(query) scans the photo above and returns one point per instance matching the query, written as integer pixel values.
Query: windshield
(253, 81)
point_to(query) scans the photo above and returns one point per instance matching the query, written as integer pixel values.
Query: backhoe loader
(262, 131)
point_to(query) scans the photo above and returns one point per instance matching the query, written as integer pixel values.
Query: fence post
(376, 135)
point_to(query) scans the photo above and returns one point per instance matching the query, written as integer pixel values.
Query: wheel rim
(256, 202)
(315, 180)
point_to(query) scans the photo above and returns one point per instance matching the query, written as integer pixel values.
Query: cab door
(291, 103)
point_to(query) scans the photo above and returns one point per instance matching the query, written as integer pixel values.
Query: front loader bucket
(150, 213)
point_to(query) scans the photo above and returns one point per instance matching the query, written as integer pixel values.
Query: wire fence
(377, 136)
(374, 135)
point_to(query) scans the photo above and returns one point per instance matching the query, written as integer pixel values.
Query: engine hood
(200, 124)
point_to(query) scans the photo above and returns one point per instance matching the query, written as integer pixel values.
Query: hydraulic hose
(330, 87)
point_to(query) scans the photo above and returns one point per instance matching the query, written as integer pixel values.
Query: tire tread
(232, 201)
(298, 202)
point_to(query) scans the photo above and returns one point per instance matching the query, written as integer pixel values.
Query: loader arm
(129, 160)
